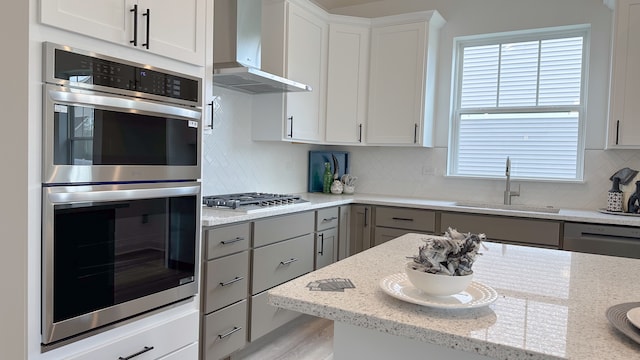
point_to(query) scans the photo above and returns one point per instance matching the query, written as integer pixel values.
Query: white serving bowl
(437, 284)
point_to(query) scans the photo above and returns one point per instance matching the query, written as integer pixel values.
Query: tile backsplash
(232, 162)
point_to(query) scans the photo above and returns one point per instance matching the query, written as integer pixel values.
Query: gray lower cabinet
(392, 222)
(543, 233)
(326, 247)
(360, 228)
(225, 289)
(265, 318)
(225, 331)
(283, 249)
(242, 261)
(602, 239)
(276, 263)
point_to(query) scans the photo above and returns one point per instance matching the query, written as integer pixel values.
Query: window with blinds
(520, 96)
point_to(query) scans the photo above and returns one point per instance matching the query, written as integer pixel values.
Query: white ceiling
(333, 4)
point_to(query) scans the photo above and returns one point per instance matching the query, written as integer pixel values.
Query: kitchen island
(551, 304)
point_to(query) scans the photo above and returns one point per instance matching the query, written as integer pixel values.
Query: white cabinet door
(401, 80)
(176, 29)
(164, 27)
(306, 63)
(347, 81)
(624, 122)
(294, 45)
(110, 20)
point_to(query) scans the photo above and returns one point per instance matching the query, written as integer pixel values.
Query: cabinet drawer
(383, 234)
(227, 280)
(280, 262)
(410, 219)
(225, 331)
(513, 230)
(186, 353)
(227, 240)
(265, 317)
(326, 218)
(275, 229)
(162, 339)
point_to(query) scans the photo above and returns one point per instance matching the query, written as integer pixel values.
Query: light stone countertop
(551, 303)
(213, 217)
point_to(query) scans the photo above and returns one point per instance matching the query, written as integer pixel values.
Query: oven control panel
(78, 68)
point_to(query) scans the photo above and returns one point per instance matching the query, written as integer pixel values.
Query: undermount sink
(546, 209)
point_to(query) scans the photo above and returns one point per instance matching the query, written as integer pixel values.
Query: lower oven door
(111, 252)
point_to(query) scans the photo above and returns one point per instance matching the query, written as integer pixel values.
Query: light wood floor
(305, 338)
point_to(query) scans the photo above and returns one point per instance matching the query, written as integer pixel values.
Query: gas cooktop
(252, 201)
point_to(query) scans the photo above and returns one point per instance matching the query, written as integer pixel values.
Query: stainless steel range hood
(237, 50)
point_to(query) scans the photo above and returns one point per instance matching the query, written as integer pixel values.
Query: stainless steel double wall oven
(120, 191)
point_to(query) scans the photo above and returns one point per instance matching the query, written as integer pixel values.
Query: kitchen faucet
(507, 192)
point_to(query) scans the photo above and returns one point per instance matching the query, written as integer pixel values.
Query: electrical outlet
(428, 170)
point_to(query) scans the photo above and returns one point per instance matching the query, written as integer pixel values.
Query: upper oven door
(94, 137)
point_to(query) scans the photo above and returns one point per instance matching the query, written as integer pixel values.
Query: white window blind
(522, 98)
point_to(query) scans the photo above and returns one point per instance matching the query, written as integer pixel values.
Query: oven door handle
(116, 192)
(70, 96)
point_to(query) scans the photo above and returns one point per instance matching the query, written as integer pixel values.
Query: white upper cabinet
(294, 46)
(401, 81)
(164, 27)
(624, 106)
(347, 80)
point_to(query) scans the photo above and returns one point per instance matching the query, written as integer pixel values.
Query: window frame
(583, 30)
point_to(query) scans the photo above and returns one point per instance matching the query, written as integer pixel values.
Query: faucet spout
(507, 192)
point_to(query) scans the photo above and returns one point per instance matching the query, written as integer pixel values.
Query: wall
(233, 163)
(421, 172)
(14, 30)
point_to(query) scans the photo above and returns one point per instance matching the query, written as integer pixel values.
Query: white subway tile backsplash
(232, 162)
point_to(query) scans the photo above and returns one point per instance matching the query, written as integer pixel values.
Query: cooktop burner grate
(251, 200)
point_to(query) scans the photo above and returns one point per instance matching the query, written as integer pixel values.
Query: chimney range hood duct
(237, 50)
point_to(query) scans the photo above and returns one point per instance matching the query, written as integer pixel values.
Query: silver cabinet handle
(144, 350)
(287, 262)
(321, 252)
(330, 219)
(236, 279)
(227, 242)
(235, 329)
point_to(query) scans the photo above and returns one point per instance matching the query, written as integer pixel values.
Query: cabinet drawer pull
(330, 219)
(401, 219)
(287, 262)
(321, 252)
(236, 279)
(144, 350)
(227, 242)
(235, 329)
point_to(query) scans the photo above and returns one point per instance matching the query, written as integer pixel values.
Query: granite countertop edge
(390, 326)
